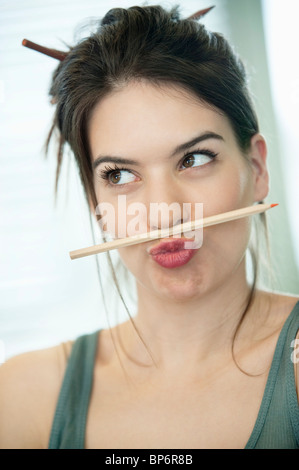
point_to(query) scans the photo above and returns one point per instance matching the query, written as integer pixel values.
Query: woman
(155, 108)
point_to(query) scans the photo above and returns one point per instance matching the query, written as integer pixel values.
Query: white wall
(281, 33)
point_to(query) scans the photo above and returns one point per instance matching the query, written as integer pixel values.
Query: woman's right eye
(117, 176)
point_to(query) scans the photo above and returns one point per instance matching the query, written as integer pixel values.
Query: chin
(179, 290)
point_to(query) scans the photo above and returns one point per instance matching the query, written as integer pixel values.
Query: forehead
(141, 114)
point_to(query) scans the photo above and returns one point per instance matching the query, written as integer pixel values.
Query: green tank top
(277, 424)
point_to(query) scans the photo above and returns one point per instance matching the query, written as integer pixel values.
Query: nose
(164, 215)
(167, 208)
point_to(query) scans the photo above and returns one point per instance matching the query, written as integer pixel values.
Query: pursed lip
(169, 246)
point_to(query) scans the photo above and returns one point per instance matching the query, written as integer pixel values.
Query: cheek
(224, 245)
(227, 243)
(232, 190)
(228, 239)
(225, 248)
(134, 257)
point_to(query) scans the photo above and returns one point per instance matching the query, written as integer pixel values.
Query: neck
(191, 330)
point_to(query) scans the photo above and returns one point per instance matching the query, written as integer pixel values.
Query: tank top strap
(68, 428)
(277, 424)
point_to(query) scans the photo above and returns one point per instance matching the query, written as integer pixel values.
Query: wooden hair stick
(186, 227)
(59, 55)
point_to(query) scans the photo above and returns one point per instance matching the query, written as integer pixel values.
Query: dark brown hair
(153, 44)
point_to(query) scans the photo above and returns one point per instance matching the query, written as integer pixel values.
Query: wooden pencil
(183, 228)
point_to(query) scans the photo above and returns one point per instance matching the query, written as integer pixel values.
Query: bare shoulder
(30, 385)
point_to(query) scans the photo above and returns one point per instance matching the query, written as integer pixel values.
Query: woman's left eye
(198, 158)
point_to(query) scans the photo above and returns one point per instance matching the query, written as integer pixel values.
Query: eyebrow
(180, 148)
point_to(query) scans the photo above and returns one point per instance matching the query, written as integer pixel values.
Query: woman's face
(146, 125)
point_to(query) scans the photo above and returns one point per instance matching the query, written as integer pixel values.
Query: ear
(260, 173)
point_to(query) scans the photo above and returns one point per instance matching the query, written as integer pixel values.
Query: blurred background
(45, 297)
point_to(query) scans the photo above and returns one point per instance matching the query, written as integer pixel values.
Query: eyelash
(105, 174)
(207, 152)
